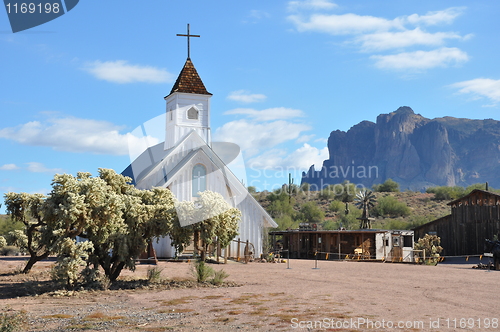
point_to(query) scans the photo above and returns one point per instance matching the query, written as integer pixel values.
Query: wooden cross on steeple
(188, 36)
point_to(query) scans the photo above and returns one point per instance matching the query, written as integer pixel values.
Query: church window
(192, 113)
(199, 181)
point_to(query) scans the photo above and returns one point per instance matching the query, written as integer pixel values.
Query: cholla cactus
(431, 246)
(209, 217)
(17, 238)
(3, 242)
(71, 258)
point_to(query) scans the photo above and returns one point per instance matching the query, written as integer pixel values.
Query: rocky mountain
(414, 151)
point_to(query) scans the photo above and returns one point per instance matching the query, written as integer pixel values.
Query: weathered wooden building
(366, 244)
(473, 219)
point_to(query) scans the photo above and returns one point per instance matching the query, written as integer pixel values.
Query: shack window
(407, 241)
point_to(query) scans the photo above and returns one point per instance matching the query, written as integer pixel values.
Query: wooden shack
(473, 219)
(365, 244)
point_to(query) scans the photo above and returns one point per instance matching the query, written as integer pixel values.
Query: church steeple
(188, 106)
(189, 81)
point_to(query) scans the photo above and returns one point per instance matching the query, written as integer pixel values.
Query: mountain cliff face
(414, 151)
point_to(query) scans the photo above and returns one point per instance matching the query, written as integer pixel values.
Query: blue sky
(283, 74)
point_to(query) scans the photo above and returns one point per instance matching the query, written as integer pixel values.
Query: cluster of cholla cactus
(431, 246)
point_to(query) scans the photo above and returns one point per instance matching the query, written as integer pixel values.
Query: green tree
(281, 204)
(350, 220)
(388, 186)
(389, 206)
(336, 206)
(286, 222)
(305, 187)
(446, 193)
(311, 213)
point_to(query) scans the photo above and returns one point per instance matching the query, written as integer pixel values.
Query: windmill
(365, 200)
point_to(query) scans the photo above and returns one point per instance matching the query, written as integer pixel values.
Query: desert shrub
(446, 193)
(389, 206)
(310, 212)
(219, 277)
(286, 222)
(329, 225)
(252, 190)
(202, 271)
(326, 194)
(17, 238)
(7, 225)
(397, 224)
(388, 186)
(94, 279)
(154, 274)
(9, 251)
(336, 206)
(350, 220)
(12, 321)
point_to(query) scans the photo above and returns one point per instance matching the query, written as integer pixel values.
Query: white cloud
(420, 60)
(300, 159)
(446, 16)
(378, 34)
(74, 135)
(253, 137)
(388, 40)
(277, 113)
(120, 71)
(480, 88)
(245, 96)
(36, 167)
(345, 24)
(311, 4)
(9, 167)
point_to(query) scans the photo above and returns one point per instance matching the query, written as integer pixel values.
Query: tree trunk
(115, 271)
(33, 259)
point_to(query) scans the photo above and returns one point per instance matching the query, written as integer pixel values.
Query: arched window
(199, 180)
(192, 113)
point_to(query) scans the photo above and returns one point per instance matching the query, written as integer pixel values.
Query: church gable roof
(189, 81)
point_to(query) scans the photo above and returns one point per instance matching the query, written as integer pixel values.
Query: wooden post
(238, 251)
(340, 253)
(247, 252)
(362, 246)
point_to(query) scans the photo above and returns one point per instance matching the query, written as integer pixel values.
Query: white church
(189, 162)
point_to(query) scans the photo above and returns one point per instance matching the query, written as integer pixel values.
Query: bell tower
(188, 105)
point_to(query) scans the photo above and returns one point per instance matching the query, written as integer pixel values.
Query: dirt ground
(338, 296)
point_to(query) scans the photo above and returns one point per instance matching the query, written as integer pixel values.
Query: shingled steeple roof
(189, 81)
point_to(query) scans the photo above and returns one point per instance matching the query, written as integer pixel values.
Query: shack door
(397, 250)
